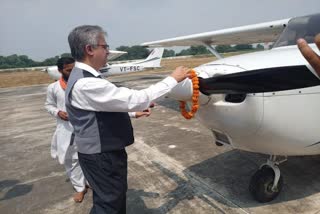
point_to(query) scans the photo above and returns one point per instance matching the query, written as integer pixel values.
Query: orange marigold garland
(195, 98)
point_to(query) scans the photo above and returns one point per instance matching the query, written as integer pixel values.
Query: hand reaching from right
(309, 54)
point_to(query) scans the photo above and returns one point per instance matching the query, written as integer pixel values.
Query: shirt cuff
(170, 81)
(55, 113)
(132, 114)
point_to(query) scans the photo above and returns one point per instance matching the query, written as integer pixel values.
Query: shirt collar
(88, 68)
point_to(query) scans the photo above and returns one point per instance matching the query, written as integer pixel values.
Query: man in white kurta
(62, 146)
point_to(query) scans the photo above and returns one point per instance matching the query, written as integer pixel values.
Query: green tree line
(134, 52)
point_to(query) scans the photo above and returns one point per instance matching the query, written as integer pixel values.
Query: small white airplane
(152, 61)
(265, 102)
(55, 74)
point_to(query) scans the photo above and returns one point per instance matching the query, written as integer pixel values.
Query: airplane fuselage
(277, 123)
(264, 102)
(152, 61)
(120, 69)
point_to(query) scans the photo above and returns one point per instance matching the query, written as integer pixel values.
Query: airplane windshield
(306, 27)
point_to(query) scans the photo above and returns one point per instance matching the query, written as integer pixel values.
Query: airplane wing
(115, 54)
(249, 34)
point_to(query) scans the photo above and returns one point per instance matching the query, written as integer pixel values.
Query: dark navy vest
(97, 132)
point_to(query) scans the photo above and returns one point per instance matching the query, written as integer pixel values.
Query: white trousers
(73, 169)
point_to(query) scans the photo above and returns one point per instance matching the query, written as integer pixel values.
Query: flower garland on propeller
(195, 98)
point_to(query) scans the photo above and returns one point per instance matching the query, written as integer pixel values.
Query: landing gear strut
(266, 183)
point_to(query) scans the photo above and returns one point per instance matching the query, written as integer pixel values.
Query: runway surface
(174, 164)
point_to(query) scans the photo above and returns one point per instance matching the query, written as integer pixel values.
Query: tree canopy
(134, 52)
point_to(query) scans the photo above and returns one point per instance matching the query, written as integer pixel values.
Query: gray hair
(81, 36)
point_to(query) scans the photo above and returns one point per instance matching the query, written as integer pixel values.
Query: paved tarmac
(174, 165)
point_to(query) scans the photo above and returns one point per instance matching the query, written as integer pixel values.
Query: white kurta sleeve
(51, 101)
(95, 94)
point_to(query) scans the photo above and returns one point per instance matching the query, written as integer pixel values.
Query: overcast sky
(39, 28)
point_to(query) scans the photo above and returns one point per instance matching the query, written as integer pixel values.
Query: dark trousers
(107, 175)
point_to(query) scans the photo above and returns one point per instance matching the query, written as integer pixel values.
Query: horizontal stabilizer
(153, 60)
(115, 54)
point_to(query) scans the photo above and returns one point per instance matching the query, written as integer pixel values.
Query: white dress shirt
(96, 94)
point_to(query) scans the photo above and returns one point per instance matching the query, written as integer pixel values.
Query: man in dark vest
(98, 111)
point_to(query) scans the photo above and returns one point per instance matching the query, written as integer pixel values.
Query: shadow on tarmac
(14, 189)
(228, 175)
(185, 190)
(135, 202)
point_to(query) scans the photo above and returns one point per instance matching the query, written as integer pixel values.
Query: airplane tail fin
(154, 59)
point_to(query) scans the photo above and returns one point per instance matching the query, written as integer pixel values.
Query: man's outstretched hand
(180, 73)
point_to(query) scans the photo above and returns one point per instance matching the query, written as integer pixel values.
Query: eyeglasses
(104, 46)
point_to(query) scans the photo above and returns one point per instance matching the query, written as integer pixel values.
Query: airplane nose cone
(183, 91)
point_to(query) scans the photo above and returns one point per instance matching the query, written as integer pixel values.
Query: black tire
(261, 184)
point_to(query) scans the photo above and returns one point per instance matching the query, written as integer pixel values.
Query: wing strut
(212, 50)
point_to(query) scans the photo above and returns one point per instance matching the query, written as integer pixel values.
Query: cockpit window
(306, 27)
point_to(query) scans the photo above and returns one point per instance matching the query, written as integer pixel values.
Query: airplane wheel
(261, 185)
